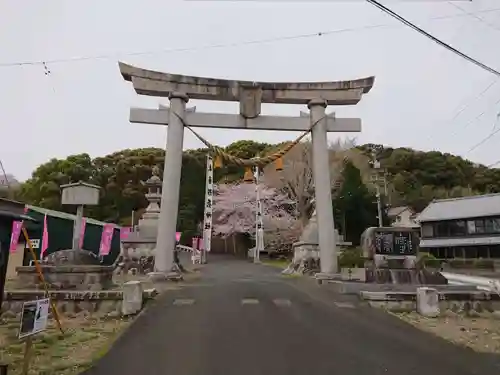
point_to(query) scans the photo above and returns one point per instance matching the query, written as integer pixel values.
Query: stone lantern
(139, 247)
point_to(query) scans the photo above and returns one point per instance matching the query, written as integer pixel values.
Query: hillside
(414, 178)
(417, 177)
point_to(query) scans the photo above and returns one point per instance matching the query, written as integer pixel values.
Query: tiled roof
(461, 208)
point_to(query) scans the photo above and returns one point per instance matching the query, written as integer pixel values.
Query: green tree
(355, 207)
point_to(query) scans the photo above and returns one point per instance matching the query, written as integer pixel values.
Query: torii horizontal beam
(159, 84)
(233, 121)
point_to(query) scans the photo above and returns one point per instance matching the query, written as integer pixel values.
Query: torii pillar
(178, 88)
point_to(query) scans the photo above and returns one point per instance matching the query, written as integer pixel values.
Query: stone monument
(138, 250)
(179, 89)
(306, 255)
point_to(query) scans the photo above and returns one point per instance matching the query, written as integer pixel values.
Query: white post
(165, 243)
(77, 227)
(321, 172)
(259, 230)
(379, 206)
(207, 221)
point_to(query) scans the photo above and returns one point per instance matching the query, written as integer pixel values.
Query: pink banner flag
(201, 245)
(177, 236)
(45, 238)
(14, 238)
(124, 232)
(82, 233)
(195, 242)
(106, 237)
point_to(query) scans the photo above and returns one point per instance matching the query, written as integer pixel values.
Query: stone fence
(451, 300)
(109, 303)
(64, 277)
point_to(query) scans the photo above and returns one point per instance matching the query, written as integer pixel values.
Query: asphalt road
(245, 319)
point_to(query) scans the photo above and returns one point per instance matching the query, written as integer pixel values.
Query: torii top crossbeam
(153, 83)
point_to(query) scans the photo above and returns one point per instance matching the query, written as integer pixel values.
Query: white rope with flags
(207, 219)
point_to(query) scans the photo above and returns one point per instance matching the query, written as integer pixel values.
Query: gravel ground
(480, 333)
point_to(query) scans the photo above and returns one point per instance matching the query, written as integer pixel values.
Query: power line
(433, 38)
(481, 114)
(482, 20)
(222, 45)
(485, 139)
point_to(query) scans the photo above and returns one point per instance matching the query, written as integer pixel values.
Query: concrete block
(349, 274)
(428, 302)
(132, 297)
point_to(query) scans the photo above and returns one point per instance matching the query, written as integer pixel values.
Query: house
(467, 227)
(402, 216)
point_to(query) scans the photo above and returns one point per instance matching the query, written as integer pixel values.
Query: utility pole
(376, 178)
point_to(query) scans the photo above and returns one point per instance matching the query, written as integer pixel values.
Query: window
(457, 228)
(496, 225)
(471, 227)
(480, 228)
(442, 229)
(488, 226)
(427, 230)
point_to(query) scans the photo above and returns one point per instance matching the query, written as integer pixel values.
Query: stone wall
(102, 303)
(67, 277)
(456, 301)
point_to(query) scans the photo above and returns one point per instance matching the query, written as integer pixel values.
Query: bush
(428, 260)
(351, 258)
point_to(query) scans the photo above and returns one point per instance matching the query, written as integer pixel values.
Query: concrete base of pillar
(165, 276)
(320, 277)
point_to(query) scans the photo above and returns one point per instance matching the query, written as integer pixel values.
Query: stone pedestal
(164, 276)
(67, 277)
(428, 302)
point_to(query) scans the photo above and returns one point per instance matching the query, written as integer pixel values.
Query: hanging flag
(177, 236)
(82, 233)
(106, 238)
(45, 238)
(259, 223)
(125, 232)
(209, 192)
(14, 238)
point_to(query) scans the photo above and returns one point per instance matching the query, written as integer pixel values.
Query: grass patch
(278, 263)
(85, 340)
(480, 333)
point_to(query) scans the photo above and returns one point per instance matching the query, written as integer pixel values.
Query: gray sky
(82, 106)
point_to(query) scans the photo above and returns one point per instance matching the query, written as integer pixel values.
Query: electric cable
(45, 62)
(432, 37)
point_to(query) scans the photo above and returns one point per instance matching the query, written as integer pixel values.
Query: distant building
(467, 227)
(402, 216)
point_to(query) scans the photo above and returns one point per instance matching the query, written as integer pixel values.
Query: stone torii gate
(179, 89)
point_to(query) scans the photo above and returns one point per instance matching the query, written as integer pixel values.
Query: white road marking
(249, 301)
(182, 302)
(282, 302)
(344, 305)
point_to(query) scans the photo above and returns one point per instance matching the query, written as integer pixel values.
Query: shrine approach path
(246, 319)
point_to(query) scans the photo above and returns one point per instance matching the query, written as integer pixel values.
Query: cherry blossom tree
(296, 180)
(235, 208)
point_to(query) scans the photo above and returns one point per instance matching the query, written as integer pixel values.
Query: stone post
(322, 183)
(428, 302)
(165, 243)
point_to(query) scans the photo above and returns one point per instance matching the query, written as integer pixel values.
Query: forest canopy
(414, 178)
